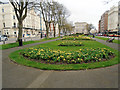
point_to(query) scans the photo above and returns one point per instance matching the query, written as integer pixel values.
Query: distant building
(99, 26)
(103, 23)
(113, 19)
(81, 27)
(119, 16)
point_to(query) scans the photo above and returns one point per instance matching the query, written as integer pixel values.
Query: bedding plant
(76, 38)
(71, 43)
(47, 55)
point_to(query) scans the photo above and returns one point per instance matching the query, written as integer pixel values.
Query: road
(13, 40)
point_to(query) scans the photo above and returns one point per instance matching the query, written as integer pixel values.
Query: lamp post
(40, 25)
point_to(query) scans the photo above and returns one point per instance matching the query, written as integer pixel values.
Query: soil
(65, 63)
(70, 45)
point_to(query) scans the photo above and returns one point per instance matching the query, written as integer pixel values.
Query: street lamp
(40, 25)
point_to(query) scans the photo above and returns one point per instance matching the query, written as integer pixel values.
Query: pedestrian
(93, 36)
(41, 35)
(45, 34)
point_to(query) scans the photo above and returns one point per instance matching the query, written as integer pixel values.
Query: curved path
(17, 76)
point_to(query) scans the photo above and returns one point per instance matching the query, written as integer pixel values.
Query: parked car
(100, 34)
(3, 38)
(104, 34)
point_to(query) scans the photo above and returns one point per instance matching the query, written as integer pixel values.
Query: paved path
(112, 45)
(17, 76)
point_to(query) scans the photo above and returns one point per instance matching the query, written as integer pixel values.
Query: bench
(110, 40)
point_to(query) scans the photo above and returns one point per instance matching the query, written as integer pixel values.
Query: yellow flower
(81, 59)
(42, 50)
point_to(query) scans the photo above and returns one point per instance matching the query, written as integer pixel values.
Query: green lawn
(16, 57)
(12, 45)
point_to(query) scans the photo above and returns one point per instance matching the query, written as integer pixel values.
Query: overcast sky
(88, 11)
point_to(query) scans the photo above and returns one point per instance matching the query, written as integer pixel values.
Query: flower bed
(74, 57)
(71, 43)
(76, 38)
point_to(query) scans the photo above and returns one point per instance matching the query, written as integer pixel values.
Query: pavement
(18, 76)
(13, 40)
(112, 45)
(117, 38)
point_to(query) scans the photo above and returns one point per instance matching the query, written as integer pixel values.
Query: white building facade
(33, 24)
(113, 19)
(119, 15)
(81, 27)
(9, 22)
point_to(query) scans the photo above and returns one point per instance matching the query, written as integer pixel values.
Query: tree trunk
(59, 30)
(54, 30)
(47, 30)
(20, 33)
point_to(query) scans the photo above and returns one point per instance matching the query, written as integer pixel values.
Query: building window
(15, 33)
(13, 16)
(14, 25)
(2, 9)
(7, 32)
(4, 24)
(3, 16)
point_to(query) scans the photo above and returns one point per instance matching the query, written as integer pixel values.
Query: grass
(16, 57)
(12, 45)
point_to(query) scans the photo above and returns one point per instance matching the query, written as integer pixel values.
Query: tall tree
(89, 27)
(68, 27)
(20, 7)
(44, 8)
(62, 15)
(53, 6)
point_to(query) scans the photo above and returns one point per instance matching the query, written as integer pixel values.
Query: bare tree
(20, 8)
(52, 12)
(44, 8)
(89, 27)
(62, 15)
(68, 27)
(53, 8)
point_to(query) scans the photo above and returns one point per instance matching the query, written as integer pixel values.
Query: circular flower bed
(50, 56)
(71, 43)
(76, 38)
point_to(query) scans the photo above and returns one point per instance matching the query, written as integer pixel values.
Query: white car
(3, 38)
